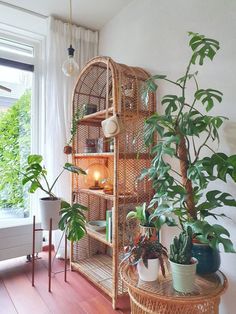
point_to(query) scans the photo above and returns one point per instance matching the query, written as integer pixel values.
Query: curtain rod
(23, 10)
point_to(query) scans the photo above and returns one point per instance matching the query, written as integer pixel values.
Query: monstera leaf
(208, 97)
(202, 47)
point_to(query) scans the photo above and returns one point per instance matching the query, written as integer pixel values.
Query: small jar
(90, 145)
(111, 145)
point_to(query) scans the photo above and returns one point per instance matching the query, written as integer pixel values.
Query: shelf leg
(33, 251)
(50, 257)
(114, 303)
(65, 270)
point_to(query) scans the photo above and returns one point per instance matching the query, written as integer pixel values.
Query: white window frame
(38, 42)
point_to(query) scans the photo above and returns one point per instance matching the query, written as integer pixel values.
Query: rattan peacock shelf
(114, 89)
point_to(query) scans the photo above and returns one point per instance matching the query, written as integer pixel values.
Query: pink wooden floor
(77, 296)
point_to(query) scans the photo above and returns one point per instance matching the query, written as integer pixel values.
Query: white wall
(22, 20)
(153, 34)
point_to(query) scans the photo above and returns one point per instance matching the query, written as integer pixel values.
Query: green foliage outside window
(14, 149)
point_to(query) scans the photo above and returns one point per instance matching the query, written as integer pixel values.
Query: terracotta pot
(67, 150)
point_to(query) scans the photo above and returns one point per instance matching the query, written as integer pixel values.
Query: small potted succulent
(183, 265)
(148, 255)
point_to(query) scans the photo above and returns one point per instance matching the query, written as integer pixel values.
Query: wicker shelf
(98, 269)
(109, 154)
(100, 236)
(107, 84)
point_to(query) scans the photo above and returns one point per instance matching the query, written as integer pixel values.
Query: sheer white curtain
(58, 92)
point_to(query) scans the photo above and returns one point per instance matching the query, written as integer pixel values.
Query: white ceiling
(89, 13)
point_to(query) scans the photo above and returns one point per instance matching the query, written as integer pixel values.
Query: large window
(15, 139)
(18, 122)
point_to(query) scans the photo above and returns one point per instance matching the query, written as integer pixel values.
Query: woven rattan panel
(159, 297)
(142, 305)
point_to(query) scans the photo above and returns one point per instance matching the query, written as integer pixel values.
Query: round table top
(207, 286)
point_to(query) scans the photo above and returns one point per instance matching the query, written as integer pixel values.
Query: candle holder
(97, 175)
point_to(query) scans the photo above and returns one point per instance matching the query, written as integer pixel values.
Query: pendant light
(70, 67)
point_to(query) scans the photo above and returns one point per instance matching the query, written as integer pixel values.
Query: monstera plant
(185, 163)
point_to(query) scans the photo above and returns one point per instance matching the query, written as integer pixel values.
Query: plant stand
(49, 255)
(160, 297)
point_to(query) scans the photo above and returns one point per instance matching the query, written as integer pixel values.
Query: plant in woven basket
(181, 248)
(180, 172)
(144, 248)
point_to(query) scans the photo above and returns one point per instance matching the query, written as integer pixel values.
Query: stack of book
(109, 225)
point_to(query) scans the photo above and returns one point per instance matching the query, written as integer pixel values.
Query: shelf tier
(100, 236)
(93, 155)
(108, 154)
(96, 117)
(98, 269)
(100, 193)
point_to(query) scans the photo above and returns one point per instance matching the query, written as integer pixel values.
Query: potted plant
(183, 265)
(149, 221)
(185, 162)
(79, 114)
(142, 214)
(148, 255)
(36, 175)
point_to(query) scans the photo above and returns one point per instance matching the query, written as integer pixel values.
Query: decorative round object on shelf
(108, 188)
(97, 175)
(97, 225)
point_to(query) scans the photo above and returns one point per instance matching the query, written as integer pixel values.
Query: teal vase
(208, 258)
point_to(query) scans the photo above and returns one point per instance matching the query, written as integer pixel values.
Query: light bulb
(70, 67)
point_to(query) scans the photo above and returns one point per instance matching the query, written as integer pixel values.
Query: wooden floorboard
(5, 300)
(76, 296)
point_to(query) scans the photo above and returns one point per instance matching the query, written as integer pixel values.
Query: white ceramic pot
(49, 208)
(183, 276)
(151, 272)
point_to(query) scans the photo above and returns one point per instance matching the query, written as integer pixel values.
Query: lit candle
(96, 176)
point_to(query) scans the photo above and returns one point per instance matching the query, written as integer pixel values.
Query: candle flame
(96, 175)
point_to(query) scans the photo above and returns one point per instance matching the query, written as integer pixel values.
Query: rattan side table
(159, 297)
